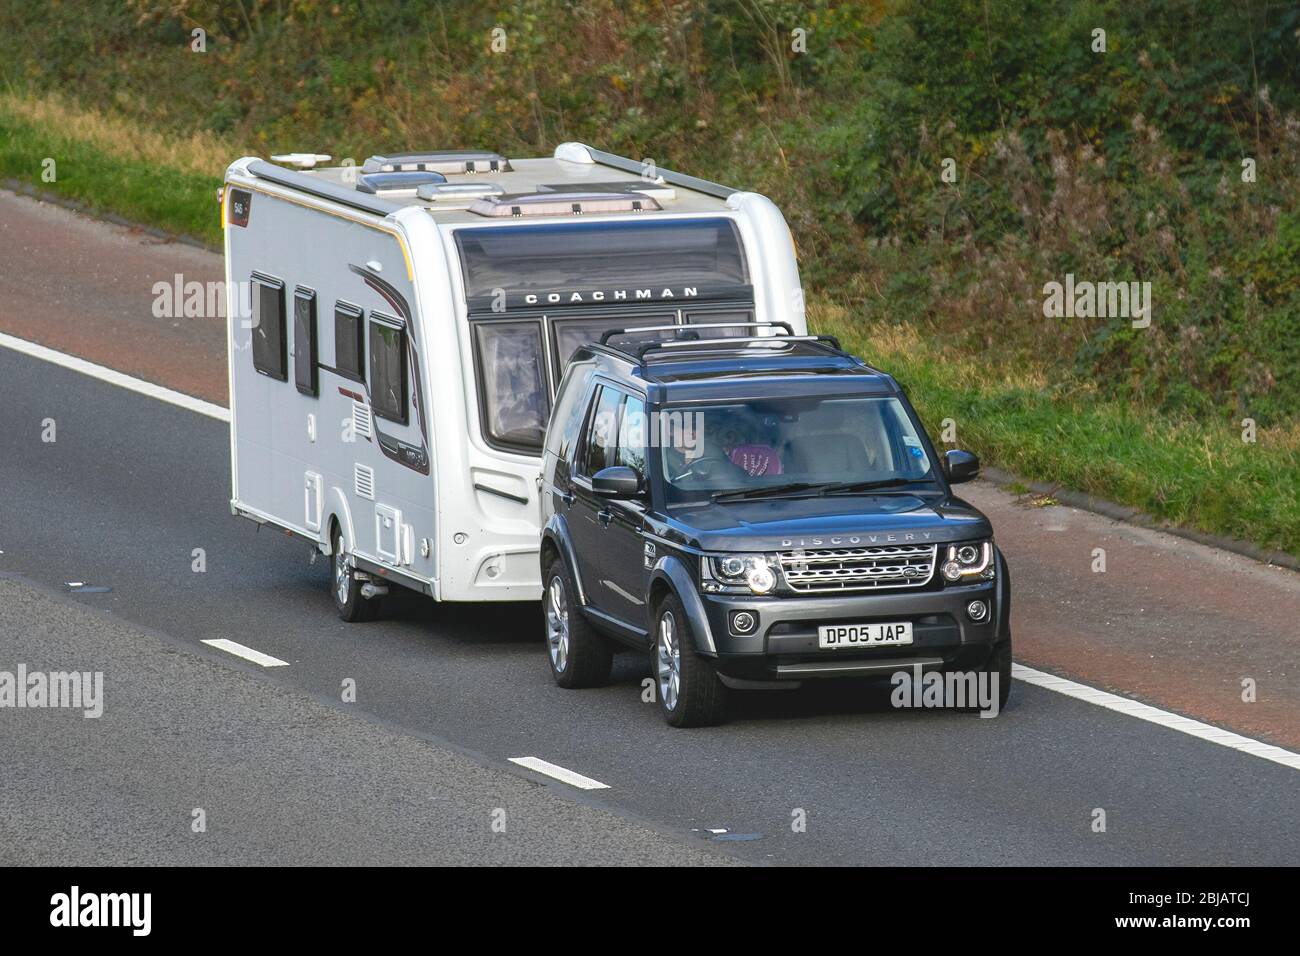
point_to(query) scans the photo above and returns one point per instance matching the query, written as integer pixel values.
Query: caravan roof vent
(445, 161)
(403, 182)
(655, 189)
(562, 204)
(462, 193)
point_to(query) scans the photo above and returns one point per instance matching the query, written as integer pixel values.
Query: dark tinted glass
(348, 347)
(388, 371)
(600, 255)
(269, 352)
(304, 341)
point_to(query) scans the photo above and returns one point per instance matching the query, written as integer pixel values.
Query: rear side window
(512, 383)
(602, 432)
(388, 369)
(305, 376)
(349, 345)
(269, 352)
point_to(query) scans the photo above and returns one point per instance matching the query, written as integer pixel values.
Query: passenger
(742, 444)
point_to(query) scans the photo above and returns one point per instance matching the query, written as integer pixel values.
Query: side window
(349, 346)
(305, 376)
(269, 352)
(512, 382)
(388, 368)
(632, 431)
(602, 432)
(566, 420)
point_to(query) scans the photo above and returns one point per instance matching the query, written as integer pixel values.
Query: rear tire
(345, 587)
(690, 693)
(580, 656)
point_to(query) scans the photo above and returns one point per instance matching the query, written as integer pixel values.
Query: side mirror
(960, 466)
(618, 481)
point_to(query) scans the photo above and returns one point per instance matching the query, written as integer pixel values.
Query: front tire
(690, 693)
(345, 587)
(999, 663)
(580, 656)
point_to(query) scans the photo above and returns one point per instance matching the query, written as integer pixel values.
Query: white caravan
(406, 324)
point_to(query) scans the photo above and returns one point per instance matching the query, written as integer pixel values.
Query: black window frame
(306, 352)
(378, 383)
(344, 310)
(280, 371)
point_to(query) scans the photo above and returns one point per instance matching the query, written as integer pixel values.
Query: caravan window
(388, 369)
(349, 346)
(572, 333)
(606, 255)
(304, 341)
(269, 353)
(717, 318)
(512, 383)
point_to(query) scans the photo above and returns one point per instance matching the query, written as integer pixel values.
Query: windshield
(791, 445)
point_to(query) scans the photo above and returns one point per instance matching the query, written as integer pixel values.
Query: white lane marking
(247, 653)
(1133, 708)
(1070, 688)
(113, 377)
(559, 773)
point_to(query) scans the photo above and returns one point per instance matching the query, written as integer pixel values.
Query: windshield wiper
(765, 491)
(839, 487)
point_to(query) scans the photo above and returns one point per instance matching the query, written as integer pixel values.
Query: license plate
(865, 635)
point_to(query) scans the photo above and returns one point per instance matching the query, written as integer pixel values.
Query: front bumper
(784, 645)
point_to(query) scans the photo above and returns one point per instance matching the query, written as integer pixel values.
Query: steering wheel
(704, 467)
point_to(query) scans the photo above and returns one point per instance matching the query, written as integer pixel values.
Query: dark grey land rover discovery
(755, 511)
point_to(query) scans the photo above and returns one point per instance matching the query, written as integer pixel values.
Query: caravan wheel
(345, 587)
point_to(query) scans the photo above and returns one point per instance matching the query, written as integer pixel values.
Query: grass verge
(1197, 475)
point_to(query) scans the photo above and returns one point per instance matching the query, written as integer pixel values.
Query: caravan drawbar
(397, 333)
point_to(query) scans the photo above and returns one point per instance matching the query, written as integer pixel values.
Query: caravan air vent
(655, 189)
(363, 481)
(404, 182)
(561, 204)
(458, 192)
(446, 161)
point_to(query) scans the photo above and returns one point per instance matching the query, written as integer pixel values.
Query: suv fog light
(977, 610)
(760, 579)
(743, 622)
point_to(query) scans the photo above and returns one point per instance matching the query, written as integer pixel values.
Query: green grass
(133, 187)
(1192, 474)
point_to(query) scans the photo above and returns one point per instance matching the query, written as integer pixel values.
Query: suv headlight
(969, 561)
(757, 572)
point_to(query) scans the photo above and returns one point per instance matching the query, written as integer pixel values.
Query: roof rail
(322, 188)
(580, 152)
(612, 333)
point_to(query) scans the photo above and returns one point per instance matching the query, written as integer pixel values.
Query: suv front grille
(859, 569)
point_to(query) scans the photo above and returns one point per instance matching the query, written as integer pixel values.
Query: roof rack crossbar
(730, 343)
(612, 333)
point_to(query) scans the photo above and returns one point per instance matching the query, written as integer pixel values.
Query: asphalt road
(132, 486)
